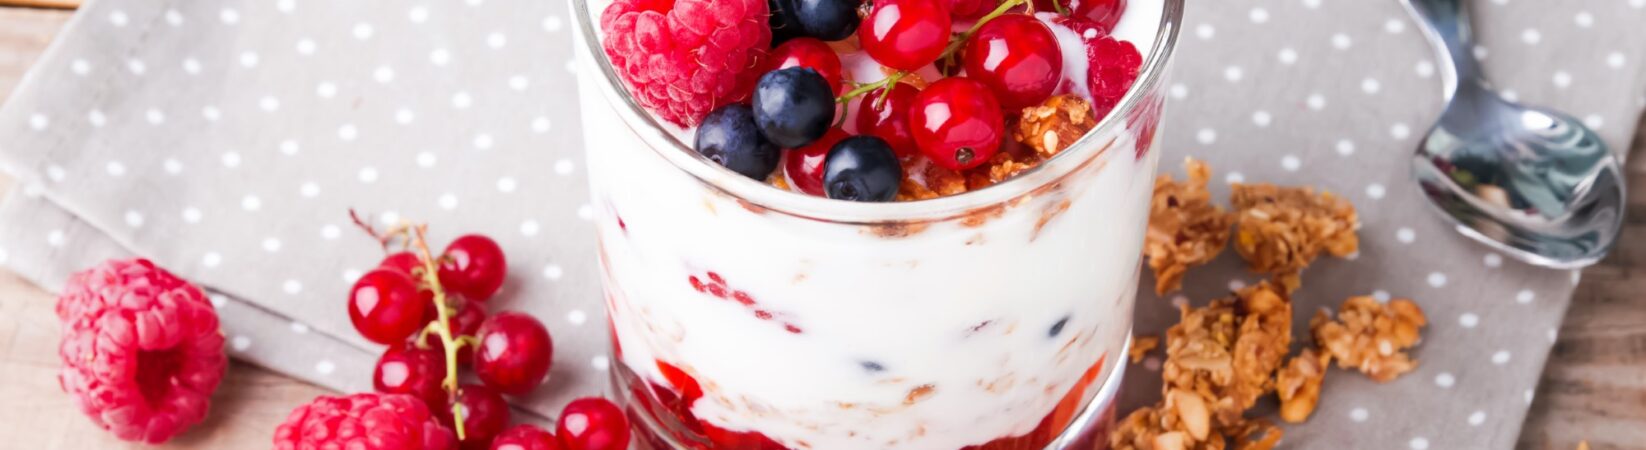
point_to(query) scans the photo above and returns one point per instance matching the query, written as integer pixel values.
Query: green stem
(441, 328)
(954, 45)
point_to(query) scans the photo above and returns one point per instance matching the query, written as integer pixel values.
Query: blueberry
(782, 21)
(863, 169)
(828, 20)
(728, 136)
(793, 106)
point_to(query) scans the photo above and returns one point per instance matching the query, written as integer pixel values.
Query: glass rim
(759, 194)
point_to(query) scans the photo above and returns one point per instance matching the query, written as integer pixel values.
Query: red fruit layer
(715, 286)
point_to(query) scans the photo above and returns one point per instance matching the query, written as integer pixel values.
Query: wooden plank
(57, 4)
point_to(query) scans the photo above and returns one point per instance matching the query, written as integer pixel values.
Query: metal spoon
(1531, 182)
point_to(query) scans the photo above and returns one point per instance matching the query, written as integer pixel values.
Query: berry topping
(729, 137)
(808, 52)
(514, 353)
(906, 34)
(885, 114)
(484, 415)
(804, 165)
(1114, 66)
(406, 369)
(793, 106)
(684, 58)
(1103, 13)
(829, 20)
(473, 265)
(405, 262)
(1017, 57)
(593, 423)
(386, 306)
(363, 422)
(863, 169)
(525, 437)
(141, 349)
(957, 123)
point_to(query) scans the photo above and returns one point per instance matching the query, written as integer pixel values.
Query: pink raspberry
(141, 350)
(1112, 64)
(368, 421)
(683, 58)
(525, 437)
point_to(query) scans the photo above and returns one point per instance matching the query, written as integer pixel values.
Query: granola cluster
(1039, 134)
(1185, 228)
(1052, 126)
(1281, 230)
(1370, 336)
(1298, 384)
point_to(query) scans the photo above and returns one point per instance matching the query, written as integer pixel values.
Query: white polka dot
(172, 166)
(553, 272)
(217, 300)
(251, 203)
(367, 175)
(1468, 320)
(599, 363)
(1316, 102)
(483, 141)
(1577, 276)
(1345, 147)
(506, 184)
(80, 67)
(1262, 118)
(1531, 36)
(1311, 4)
(191, 214)
(1562, 79)
(1152, 363)
(1206, 136)
(528, 228)
(1233, 73)
(56, 238)
(404, 116)
(1287, 56)
(348, 132)
(1525, 296)
(1501, 357)
(325, 367)
(1291, 163)
(136, 66)
(1400, 131)
(211, 113)
(577, 317)
(229, 16)
(1179, 91)
(154, 116)
(563, 166)
(1381, 295)
(1509, 94)
(1234, 177)
(1593, 121)
(248, 59)
(1477, 418)
(115, 168)
(330, 232)
(1614, 60)
(1359, 414)
(1370, 86)
(285, 6)
(551, 24)
(305, 46)
(540, 125)
(134, 219)
(1584, 19)
(1418, 443)
(271, 245)
(292, 287)
(1341, 41)
(1437, 279)
(519, 83)
(39, 121)
(351, 275)
(1375, 191)
(440, 57)
(496, 40)
(269, 103)
(1258, 15)
(1528, 396)
(299, 328)
(173, 17)
(231, 159)
(211, 259)
(33, 190)
(1445, 380)
(1637, 4)
(1394, 26)
(585, 212)
(462, 100)
(383, 74)
(240, 343)
(363, 31)
(447, 201)
(56, 173)
(1205, 31)
(1405, 235)
(288, 147)
(1425, 69)
(1481, 52)
(309, 189)
(1180, 301)
(426, 159)
(1492, 260)
(1553, 335)
(118, 18)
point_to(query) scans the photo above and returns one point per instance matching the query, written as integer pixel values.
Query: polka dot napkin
(227, 141)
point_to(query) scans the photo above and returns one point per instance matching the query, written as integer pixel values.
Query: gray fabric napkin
(227, 140)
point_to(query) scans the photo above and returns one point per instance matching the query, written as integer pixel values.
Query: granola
(1054, 124)
(1185, 228)
(1229, 350)
(1182, 422)
(1141, 346)
(1279, 231)
(1371, 336)
(1298, 384)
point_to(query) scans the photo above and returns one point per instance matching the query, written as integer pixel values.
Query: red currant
(525, 437)
(484, 415)
(514, 353)
(804, 165)
(957, 123)
(1017, 57)
(970, 9)
(808, 52)
(406, 369)
(405, 262)
(593, 423)
(906, 34)
(386, 306)
(473, 265)
(1104, 13)
(885, 114)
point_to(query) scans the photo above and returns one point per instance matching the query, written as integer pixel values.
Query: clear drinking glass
(744, 316)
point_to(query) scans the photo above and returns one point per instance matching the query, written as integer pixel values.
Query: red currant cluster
(430, 311)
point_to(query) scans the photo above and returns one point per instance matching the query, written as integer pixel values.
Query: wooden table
(1594, 387)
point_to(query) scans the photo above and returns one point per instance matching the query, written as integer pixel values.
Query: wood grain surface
(1593, 389)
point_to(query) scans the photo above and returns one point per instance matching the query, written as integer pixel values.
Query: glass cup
(745, 316)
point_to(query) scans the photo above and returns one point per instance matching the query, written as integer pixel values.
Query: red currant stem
(441, 325)
(1055, 5)
(960, 41)
(867, 87)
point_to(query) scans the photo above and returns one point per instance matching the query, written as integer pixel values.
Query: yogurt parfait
(897, 224)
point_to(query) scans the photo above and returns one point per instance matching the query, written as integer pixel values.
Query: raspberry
(363, 422)
(685, 58)
(1112, 64)
(525, 437)
(141, 350)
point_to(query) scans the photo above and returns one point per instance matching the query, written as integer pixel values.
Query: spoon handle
(1446, 24)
